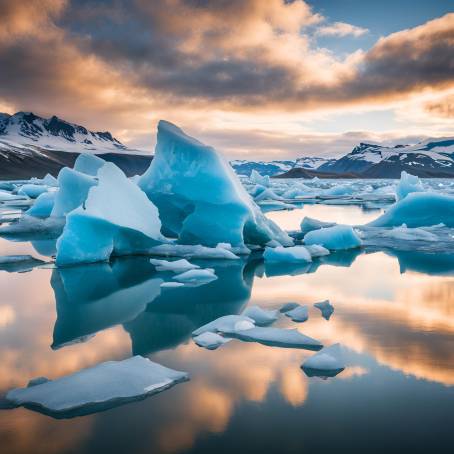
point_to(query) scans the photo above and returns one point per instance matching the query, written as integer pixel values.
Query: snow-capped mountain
(271, 168)
(432, 157)
(26, 128)
(34, 146)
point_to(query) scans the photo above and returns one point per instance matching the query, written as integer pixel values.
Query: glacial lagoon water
(393, 311)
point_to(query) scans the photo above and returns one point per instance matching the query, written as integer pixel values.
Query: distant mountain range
(33, 146)
(430, 158)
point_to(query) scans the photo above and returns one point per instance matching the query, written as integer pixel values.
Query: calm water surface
(393, 312)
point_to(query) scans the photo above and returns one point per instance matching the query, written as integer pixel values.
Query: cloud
(341, 29)
(122, 65)
(441, 108)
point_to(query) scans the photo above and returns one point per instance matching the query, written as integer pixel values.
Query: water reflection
(393, 313)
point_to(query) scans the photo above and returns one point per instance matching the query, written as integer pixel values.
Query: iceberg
(298, 314)
(32, 190)
(106, 385)
(327, 362)
(210, 341)
(73, 192)
(275, 337)
(177, 266)
(196, 276)
(199, 197)
(408, 184)
(419, 209)
(293, 254)
(317, 251)
(43, 206)
(88, 164)
(226, 323)
(262, 317)
(308, 224)
(117, 218)
(288, 307)
(193, 251)
(263, 180)
(338, 237)
(325, 308)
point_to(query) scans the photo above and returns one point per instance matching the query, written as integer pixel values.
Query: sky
(256, 79)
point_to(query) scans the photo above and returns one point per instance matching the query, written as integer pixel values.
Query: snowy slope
(28, 129)
(427, 158)
(243, 167)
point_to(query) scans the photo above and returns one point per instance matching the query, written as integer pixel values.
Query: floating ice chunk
(275, 337)
(196, 276)
(177, 266)
(325, 308)
(308, 224)
(334, 238)
(172, 284)
(117, 218)
(200, 198)
(288, 307)
(18, 263)
(328, 362)
(406, 234)
(210, 341)
(293, 254)
(419, 209)
(32, 190)
(316, 250)
(408, 184)
(43, 206)
(97, 388)
(30, 225)
(275, 205)
(48, 180)
(340, 190)
(88, 164)
(193, 251)
(73, 192)
(298, 314)
(297, 191)
(262, 317)
(226, 323)
(256, 178)
(261, 193)
(6, 196)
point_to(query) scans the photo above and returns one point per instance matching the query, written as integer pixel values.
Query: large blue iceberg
(199, 197)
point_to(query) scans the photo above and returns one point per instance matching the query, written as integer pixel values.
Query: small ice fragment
(309, 224)
(291, 254)
(326, 309)
(334, 238)
(316, 250)
(298, 314)
(275, 337)
(196, 275)
(97, 388)
(172, 284)
(262, 317)
(210, 341)
(193, 251)
(177, 266)
(18, 263)
(328, 362)
(226, 323)
(288, 307)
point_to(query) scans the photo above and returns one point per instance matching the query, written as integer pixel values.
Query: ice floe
(325, 308)
(97, 388)
(196, 276)
(177, 266)
(262, 317)
(226, 323)
(290, 254)
(275, 337)
(18, 263)
(210, 341)
(298, 314)
(328, 362)
(338, 237)
(308, 224)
